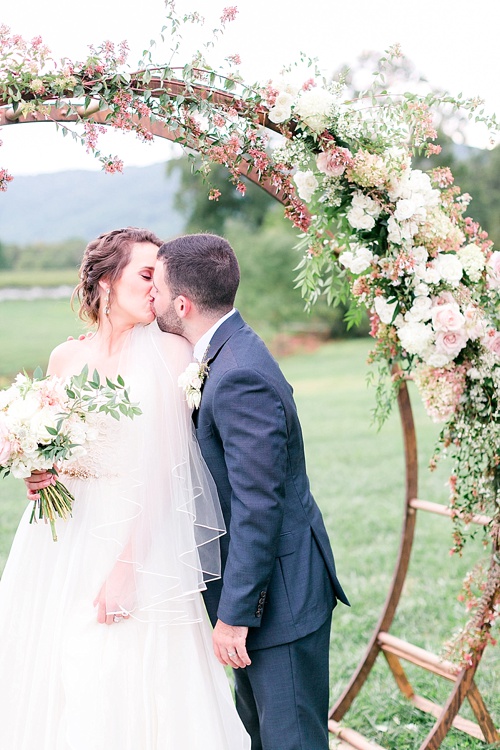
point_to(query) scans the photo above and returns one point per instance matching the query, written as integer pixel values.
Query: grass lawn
(39, 277)
(357, 476)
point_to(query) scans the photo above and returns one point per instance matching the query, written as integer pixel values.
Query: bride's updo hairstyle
(105, 258)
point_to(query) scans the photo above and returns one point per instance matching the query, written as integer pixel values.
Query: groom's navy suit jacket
(279, 575)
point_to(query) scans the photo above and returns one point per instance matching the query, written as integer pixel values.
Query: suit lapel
(222, 334)
(220, 337)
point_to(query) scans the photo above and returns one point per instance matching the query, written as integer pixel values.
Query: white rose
(420, 309)
(421, 289)
(430, 275)
(346, 258)
(384, 309)
(362, 260)
(420, 254)
(448, 267)
(286, 86)
(306, 184)
(405, 208)
(360, 200)
(395, 234)
(185, 377)
(279, 114)
(358, 219)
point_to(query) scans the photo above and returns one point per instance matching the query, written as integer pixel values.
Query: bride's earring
(106, 303)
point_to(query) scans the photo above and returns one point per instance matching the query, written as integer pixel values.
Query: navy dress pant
(283, 696)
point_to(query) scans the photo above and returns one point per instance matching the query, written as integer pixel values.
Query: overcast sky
(454, 43)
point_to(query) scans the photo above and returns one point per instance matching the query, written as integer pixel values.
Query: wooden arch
(393, 648)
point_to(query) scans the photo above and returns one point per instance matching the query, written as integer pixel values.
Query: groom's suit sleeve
(251, 422)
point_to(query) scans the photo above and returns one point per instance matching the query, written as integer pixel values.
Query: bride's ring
(231, 654)
(117, 618)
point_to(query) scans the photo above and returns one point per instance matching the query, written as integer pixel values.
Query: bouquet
(44, 421)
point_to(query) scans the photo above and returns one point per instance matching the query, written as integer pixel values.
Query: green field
(357, 476)
(39, 277)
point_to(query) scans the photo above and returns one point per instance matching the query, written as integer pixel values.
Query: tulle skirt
(70, 683)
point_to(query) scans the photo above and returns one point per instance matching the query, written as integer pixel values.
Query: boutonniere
(191, 381)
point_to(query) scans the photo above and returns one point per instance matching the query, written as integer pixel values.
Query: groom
(272, 608)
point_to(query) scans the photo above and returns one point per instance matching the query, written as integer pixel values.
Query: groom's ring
(231, 654)
(117, 618)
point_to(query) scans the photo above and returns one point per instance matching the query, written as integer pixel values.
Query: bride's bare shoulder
(175, 347)
(65, 356)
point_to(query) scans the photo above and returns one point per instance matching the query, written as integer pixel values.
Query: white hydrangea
(416, 337)
(314, 107)
(473, 261)
(306, 184)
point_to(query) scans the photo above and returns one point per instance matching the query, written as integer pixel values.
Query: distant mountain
(55, 207)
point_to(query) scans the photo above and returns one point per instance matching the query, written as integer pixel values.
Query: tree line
(264, 240)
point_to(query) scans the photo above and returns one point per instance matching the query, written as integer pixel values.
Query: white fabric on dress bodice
(150, 682)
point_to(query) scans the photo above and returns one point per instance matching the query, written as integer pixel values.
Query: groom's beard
(170, 322)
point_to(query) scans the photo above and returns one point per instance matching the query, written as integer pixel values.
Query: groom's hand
(230, 644)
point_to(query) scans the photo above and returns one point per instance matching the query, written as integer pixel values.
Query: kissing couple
(105, 642)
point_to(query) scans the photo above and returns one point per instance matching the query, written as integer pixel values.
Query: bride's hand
(116, 598)
(38, 481)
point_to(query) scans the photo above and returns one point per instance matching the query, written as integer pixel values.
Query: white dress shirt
(202, 344)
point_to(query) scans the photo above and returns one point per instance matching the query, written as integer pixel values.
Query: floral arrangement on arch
(373, 230)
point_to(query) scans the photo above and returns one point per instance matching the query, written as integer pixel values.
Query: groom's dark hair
(204, 268)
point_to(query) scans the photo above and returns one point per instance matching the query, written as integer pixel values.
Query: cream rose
(450, 342)
(306, 184)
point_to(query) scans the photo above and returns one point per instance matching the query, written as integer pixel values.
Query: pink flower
(450, 343)
(112, 165)
(6, 447)
(492, 341)
(5, 178)
(474, 324)
(447, 317)
(229, 14)
(493, 266)
(333, 162)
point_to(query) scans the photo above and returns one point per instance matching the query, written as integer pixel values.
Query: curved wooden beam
(365, 665)
(160, 129)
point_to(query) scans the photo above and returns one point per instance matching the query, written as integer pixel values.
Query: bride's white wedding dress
(142, 523)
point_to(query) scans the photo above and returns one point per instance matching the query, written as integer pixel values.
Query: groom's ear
(183, 306)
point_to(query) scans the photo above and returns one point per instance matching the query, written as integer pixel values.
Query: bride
(104, 640)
